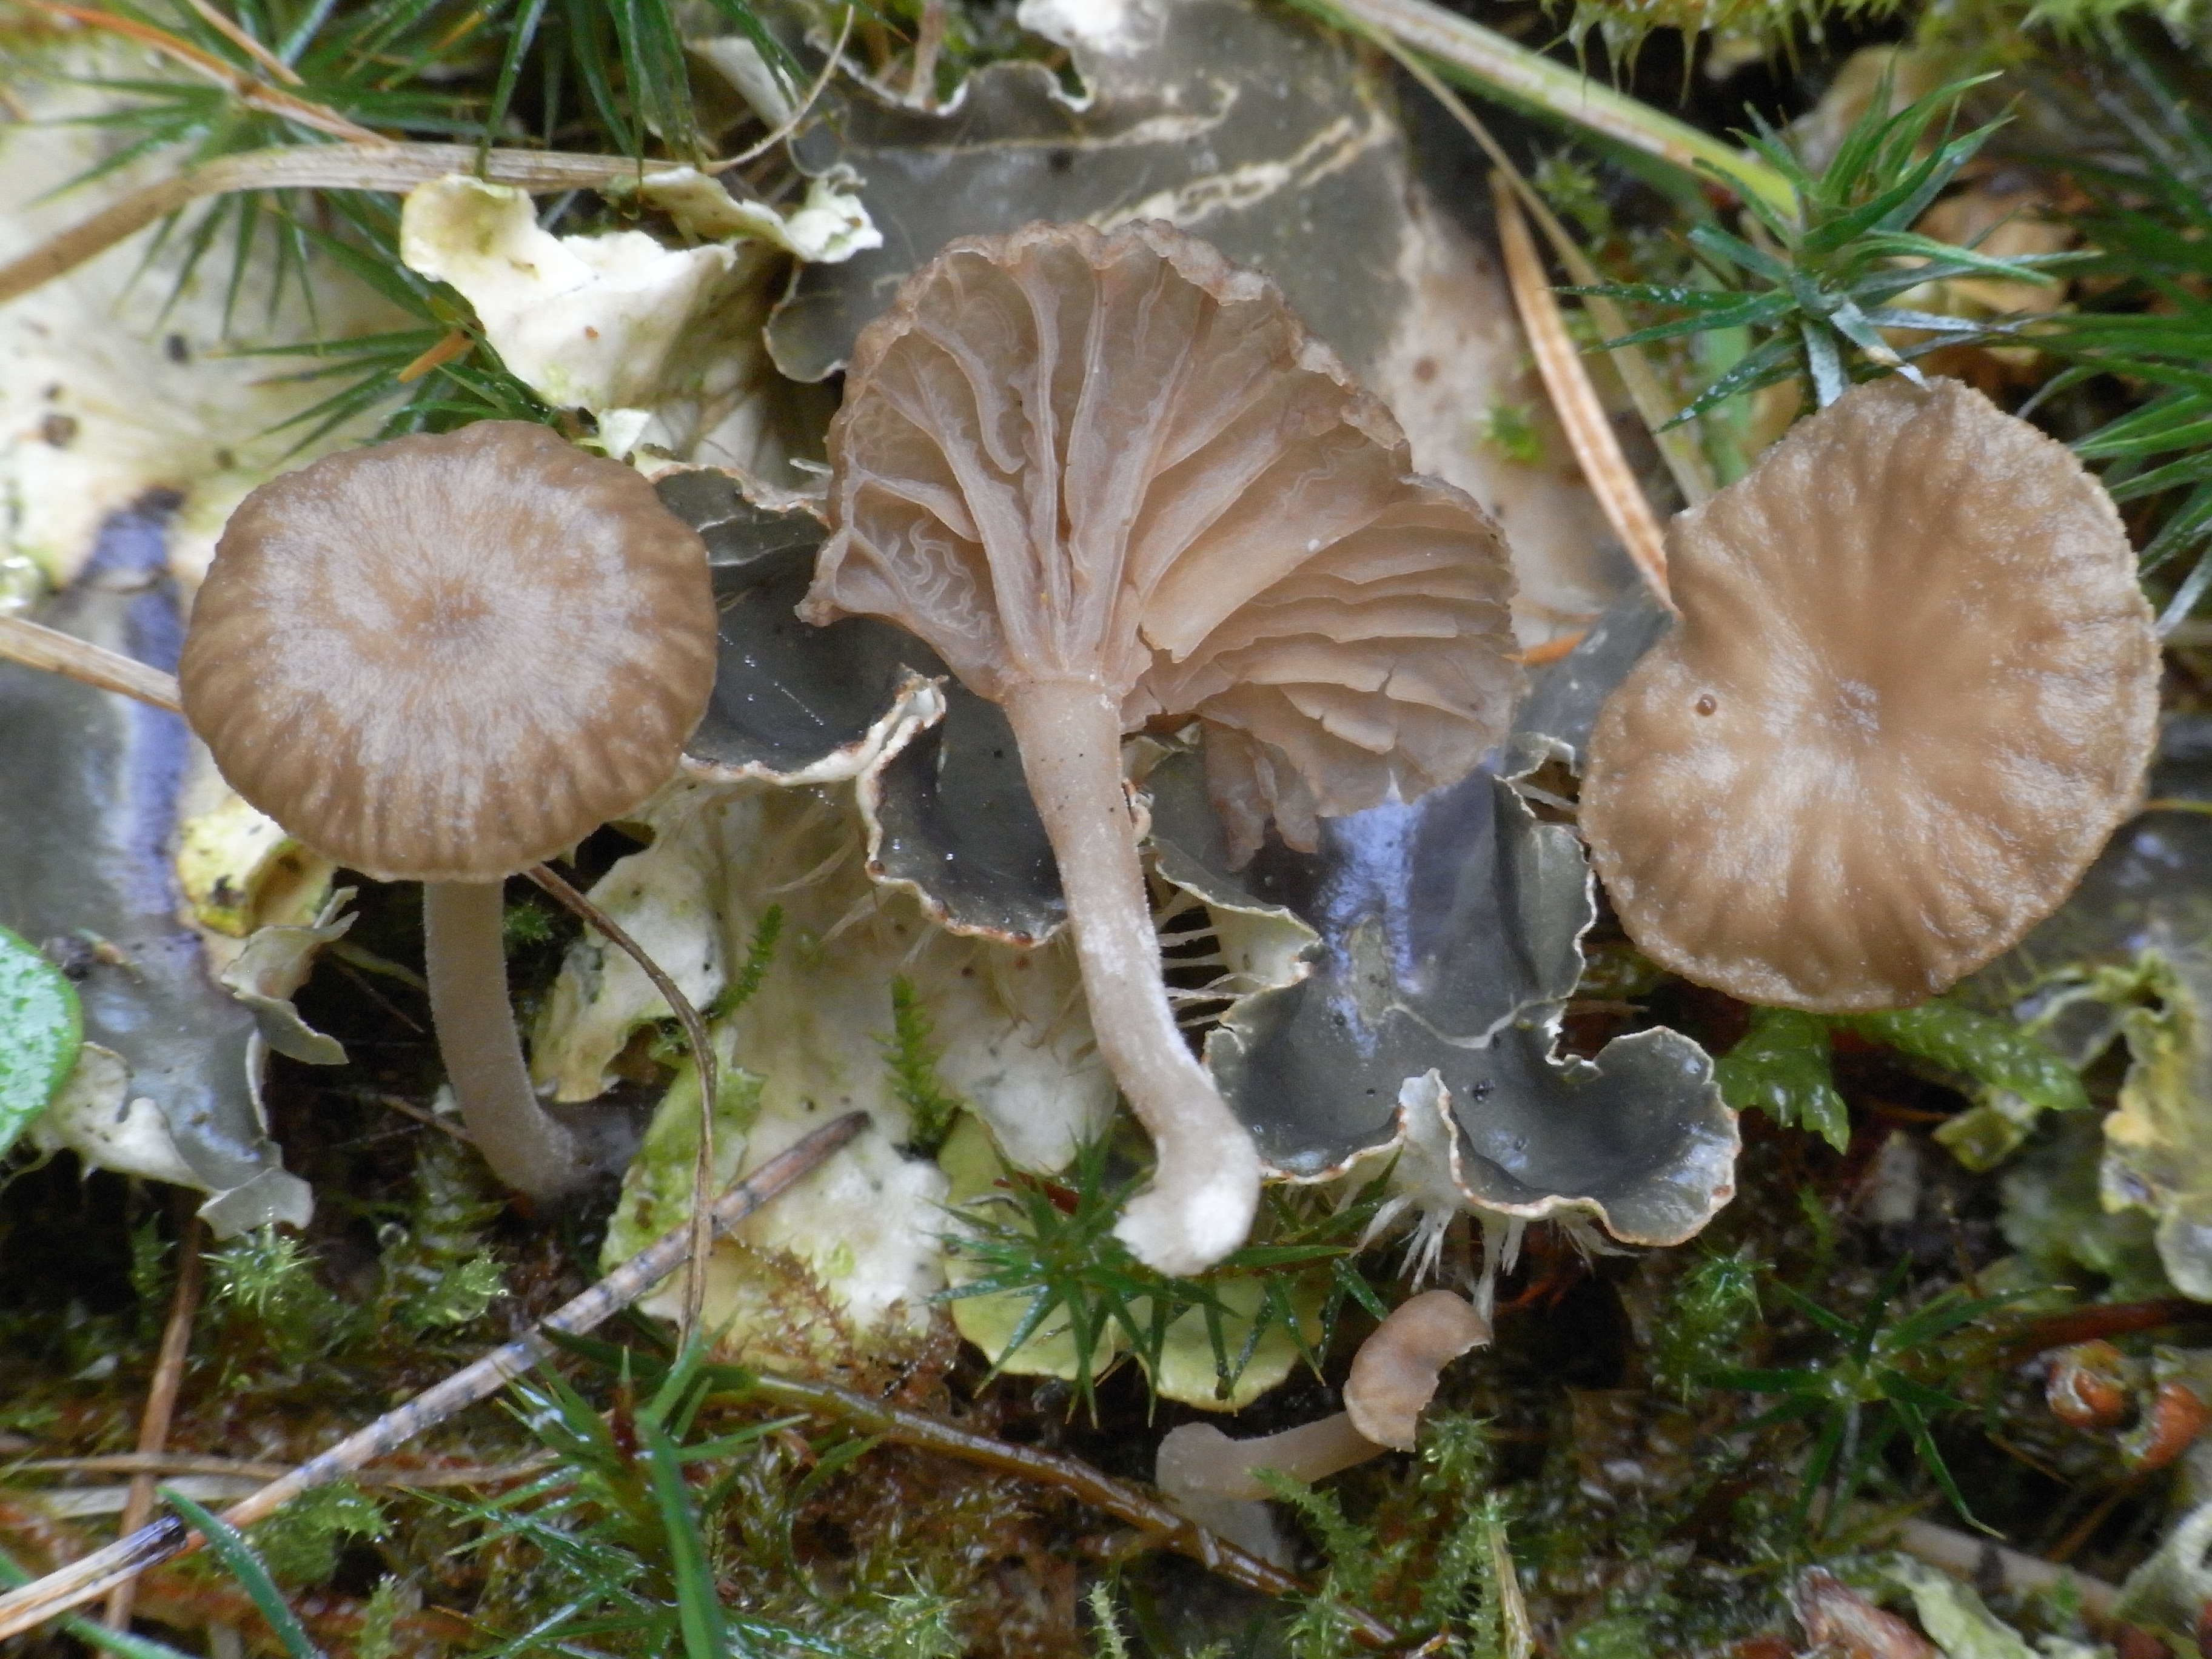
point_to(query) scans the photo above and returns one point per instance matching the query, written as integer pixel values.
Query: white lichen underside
(1016, 1042)
(102, 398)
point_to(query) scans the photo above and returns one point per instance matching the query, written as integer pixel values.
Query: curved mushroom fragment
(1197, 1463)
(1111, 477)
(1212, 1480)
(791, 704)
(445, 659)
(950, 819)
(1449, 943)
(89, 787)
(1913, 690)
(1393, 1374)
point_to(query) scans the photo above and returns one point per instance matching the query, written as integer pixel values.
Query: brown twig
(101, 1571)
(1969, 1557)
(928, 41)
(1590, 434)
(246, 44)
(162, 1401)
(157, 1465)
(380, 166)
(1553, 650)
(456, 342)
(2107, 1319)
(36, 646)
(408, 1108)
(702, 1057)
(1162, 1526)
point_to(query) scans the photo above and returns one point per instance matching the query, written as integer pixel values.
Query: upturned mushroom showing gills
(445, 659)
(1112, 479)
(1912, 691)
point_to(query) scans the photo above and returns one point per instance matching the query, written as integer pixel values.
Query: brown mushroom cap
(1393, 1374)
(443, 659)
(1913, 690)
(1072, 454)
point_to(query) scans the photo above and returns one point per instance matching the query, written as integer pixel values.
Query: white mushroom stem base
(1206, 1181)
(465, 961)
(1199, 1462)
(1210, 1479)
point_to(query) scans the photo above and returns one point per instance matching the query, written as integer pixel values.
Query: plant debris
(1814, 1323)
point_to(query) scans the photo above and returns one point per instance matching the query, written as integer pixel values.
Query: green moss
(300, 1543)
(913, 1057)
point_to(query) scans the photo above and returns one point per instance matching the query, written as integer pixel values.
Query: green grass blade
(699, 1609)
(519, 42)
(1824, 362)
(1931, 1459)
(2185, 597)
(237, 1556)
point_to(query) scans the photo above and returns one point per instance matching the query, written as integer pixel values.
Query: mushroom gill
(1111, 477)
(443, 660)
(1913, 690)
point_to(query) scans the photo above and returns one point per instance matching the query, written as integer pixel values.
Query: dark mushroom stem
(1206, 1180)
(466, 964)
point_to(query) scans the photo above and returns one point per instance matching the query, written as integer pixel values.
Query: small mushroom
(1210, 1477)
(1111, 478)
(1393, 1374)
(445, 659)
(1914, 689)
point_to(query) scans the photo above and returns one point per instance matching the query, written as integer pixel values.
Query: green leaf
(1753, 1382)
(1995, 1053)
(40, 1028)
(1931, 1459)
(1939, 1318)
(911, 1058)
(745, 983)
(1782, 1067)
(1903, 1390)
(1835, 1324)
(300, 1543)
(1762, 367)
(1811, 288)
(708, 1451)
